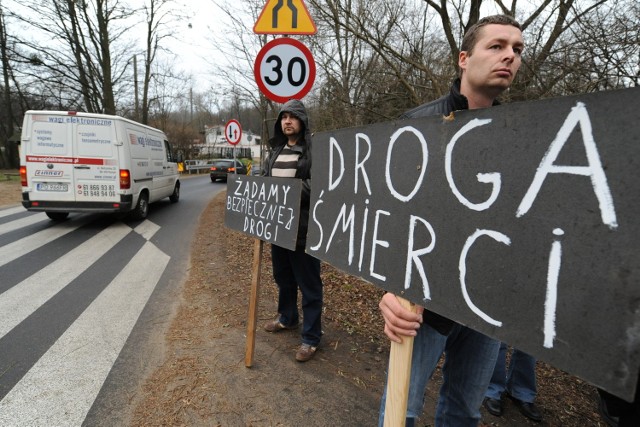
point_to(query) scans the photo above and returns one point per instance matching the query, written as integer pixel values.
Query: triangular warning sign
(285, 17)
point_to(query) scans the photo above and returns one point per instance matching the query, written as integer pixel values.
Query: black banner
(265, 208)
(520, 221)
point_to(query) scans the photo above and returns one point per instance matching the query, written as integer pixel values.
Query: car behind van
(84, 162)
(220, 168)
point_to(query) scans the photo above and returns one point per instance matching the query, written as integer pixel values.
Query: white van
(82, 162)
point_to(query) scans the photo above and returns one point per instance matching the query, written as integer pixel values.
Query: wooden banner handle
(252, 318)
(398, 377)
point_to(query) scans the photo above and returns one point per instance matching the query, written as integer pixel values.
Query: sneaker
(305, 352)
(277, 326)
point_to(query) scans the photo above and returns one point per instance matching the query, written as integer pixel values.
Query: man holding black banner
(290, 157)
(489, 59)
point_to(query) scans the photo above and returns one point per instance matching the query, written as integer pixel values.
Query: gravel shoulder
(204, 380)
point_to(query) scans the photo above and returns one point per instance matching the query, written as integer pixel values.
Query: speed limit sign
(284, 69)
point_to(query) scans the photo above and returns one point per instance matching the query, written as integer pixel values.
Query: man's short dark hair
(471, 36)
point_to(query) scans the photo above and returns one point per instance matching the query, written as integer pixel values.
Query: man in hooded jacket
(290, 156)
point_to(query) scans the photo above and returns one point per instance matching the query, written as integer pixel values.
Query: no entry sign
(284, 69)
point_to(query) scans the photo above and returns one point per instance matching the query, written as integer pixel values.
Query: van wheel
(57, 216)
(142, 208)
(176, 193)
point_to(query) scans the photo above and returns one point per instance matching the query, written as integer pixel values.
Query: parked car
(220, 169)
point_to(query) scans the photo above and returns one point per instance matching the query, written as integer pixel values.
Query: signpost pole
(398, 378)
(253, 302)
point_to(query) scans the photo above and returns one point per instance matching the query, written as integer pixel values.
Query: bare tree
(601, 51)
(343, 61)
(378, 57)
(236, 50)
(400, 60)
(76, 48)
(158, 13)
(6, 118)
(375, 58)
(413, 47)
(81, 52)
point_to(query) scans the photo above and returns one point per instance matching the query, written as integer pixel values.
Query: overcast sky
(191, 44)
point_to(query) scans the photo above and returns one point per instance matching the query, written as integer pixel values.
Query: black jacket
(303, 169)
(453, 101)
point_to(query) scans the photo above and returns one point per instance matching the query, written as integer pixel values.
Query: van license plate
(46, 186)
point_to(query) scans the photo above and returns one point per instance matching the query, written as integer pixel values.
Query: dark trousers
(628, 413)
(293, 270)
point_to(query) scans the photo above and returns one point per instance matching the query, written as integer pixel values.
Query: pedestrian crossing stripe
(38, 239)
(285, 17)
(27, 296)
(74, 369)
(67, 371)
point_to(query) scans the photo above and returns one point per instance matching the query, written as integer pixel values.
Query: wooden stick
(398, 378)
(252, 318)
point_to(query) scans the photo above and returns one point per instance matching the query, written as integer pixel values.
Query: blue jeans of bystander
(520, 379)
(469, 361)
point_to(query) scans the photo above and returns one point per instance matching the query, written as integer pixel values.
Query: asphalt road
(84, 305)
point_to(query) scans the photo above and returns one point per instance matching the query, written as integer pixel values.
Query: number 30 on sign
(284, 69)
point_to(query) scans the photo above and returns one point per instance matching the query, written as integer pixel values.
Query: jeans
(469, 361)
(519, 381)
(293, 270)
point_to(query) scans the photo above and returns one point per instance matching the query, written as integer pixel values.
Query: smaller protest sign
(264, 207)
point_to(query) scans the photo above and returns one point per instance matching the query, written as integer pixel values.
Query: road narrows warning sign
(285, 17)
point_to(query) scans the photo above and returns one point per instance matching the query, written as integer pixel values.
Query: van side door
(170, 166)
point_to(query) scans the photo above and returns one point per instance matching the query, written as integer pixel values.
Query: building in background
(216, 145)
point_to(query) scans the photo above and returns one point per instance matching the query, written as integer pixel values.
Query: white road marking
(22, 222)
(17, 303)
(61, 387)
(11, 211)
(32, 242)
(147, 229)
